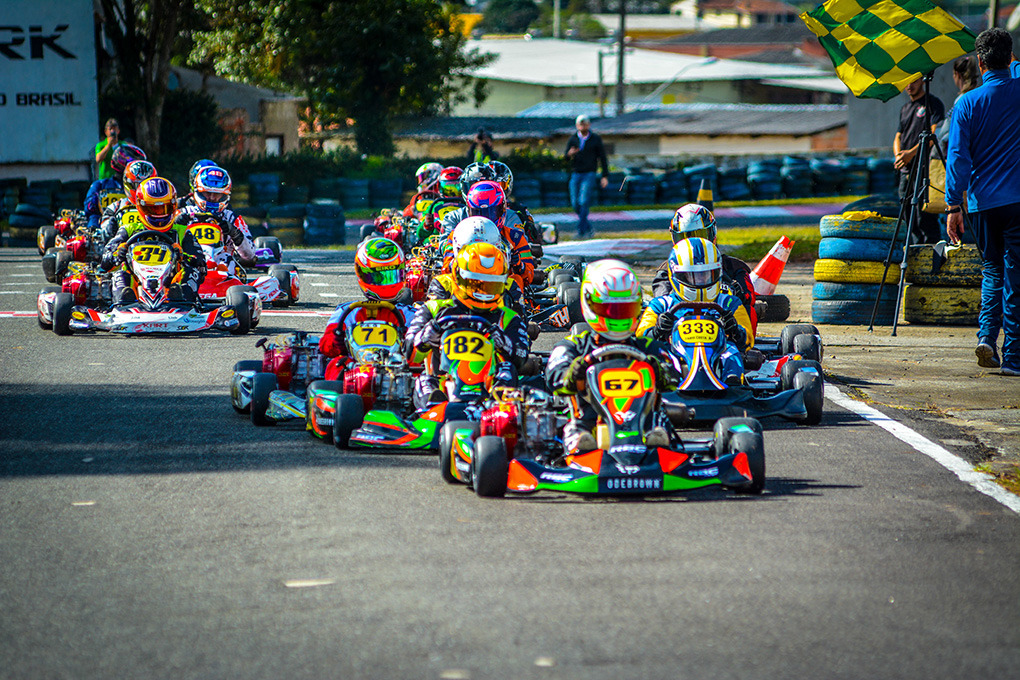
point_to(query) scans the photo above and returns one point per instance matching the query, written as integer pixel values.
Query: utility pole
(993, 13)
(556, 19)
(621, 96)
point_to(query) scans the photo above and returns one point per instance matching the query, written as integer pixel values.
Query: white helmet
(475, 230)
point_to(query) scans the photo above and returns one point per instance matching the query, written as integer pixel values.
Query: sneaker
(987, 356)
(1006, 370)
(657, 437)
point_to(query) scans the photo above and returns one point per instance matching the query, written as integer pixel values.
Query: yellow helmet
(479, 276)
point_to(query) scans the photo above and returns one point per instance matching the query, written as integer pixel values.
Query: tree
(366, 60)
(510, 16)
(143, 35)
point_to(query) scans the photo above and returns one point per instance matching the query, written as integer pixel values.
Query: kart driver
(470, 230)
(379, 268)
(105, 192)
(188, 199)
(156, 199)
(124, 210)
(479, 279)
(209, 203)
(427, 177)
(695, 274)
(611, 303)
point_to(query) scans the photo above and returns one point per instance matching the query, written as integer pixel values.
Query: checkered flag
(880, 47)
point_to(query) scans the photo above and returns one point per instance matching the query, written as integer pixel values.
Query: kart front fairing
(129, 320)
(419, 431)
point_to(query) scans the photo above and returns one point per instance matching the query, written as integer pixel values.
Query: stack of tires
(10, 193)
(324, 223)
(354, 193)
(528, 191)
(385, 193)
(255, 217)
(826, 176)
(264, 188)
(849, 269)
(286, 222)
(697, 173)
(613, 193)
(883, 177)
(326, 187)
(240, 195)
(641, 189)
(25, 222)
(949, 294)
(555, 189)
(855, 176)
(733, 184)
(764, 179)
(673, 188)
(293, 193)
(796, 176)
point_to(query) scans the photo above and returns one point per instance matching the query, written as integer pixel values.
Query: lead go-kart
(158, 308)
(516, 446)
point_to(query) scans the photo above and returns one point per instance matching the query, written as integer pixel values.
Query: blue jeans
(582, 184)
(998, 238)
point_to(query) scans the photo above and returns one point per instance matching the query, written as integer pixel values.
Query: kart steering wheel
(444, 323)
(362, 304)
(584, 362)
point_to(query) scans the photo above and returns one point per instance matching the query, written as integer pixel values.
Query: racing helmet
(474, 173)
(123, 154)
(486, 199)
(156, 200)
(135, 173)
(504, 177)
(198, 165)
(479, 276)
(692, 221)
(212, 189)
(695, 270)
(449, 181)
(611, 299)
(475, 230)
(427, 176)
(379, 267)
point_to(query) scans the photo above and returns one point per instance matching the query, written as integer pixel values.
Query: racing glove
(734, 331)
(664, 325)
(502, 343)
(428, 336)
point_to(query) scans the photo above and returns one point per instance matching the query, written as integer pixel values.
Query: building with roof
(527, 72)
(748, 44)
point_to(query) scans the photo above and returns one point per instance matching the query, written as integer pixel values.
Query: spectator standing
(104, 149)
(967, 76)
(481, 150)
(984, 154)
(585, 152)
(907, 143)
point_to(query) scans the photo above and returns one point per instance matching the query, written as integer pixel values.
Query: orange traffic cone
(705, 195)
(766, 275)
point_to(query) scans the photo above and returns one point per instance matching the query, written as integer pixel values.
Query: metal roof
(465, 127)
(821, 84)
(569, 63)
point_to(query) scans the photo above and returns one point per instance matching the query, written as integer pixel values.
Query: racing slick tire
(350, 414)
(808, 347)
(446, 446)
(570, 297)
(724, 430)
(238, 302)
(60, 263)
(272, 243)
(282, 277)
(262, 384)
(490, 467)
(49, 264)
(777, 308)
(63, 303)
(814, 395)
(314, 388)
(791, 368)
(558, 276)
(367, 230)
(47, 238)
(246, 365)
(753, 446)
(38, 315)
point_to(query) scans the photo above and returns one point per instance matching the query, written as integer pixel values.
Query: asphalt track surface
(146, 530)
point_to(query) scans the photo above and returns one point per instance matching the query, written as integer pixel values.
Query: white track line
(958, 466)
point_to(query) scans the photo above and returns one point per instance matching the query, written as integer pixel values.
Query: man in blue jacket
(984, 154)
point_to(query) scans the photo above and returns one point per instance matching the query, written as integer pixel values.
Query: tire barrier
(777, 308)
(324, 223)
(868, 249)
(960, 268)
(949, 306)
(286, 222)
(852, 312)
(293, 193)
(855, 271)
(264, 188)
(796, 177)
(860, 224)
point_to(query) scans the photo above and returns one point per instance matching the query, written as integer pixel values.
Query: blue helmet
(204, 163)
(212, 189)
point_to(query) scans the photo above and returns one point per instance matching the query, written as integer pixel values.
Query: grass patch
(1006, 475)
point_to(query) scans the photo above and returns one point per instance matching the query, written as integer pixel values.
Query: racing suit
(333, 343)
(522, 264)
(577, 345)
(735, 321)
(238, 243)
(527, 222)
(511, 341)
(102, 194)
(190, 277)
(117, 214)
(736, 276)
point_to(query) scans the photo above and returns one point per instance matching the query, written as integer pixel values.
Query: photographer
(104, 149)
(481, 150)
(984, 151)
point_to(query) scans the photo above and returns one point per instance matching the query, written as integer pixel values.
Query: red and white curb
(981, 481)
(265, 312)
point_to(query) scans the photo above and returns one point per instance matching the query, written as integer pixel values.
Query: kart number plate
(130, 217)
(150, 254)
(620, 382)
(699, 331)
(446, 209)
(374, 335)
(422, 205)
(108, 199)
(206, 234)
(467, 346)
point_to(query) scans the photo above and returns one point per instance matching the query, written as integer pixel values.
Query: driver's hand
(502, 343)
(429, 335)
(574, 373)
(664, 324)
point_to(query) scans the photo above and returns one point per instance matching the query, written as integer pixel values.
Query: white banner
(48, 107)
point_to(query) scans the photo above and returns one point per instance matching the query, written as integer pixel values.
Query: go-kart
(555, 302)
(787, 385)
(273, 389)
(153, 261)
(68, 240)
(517, 444)
(423, 265)
(466, 363)
(281, 286)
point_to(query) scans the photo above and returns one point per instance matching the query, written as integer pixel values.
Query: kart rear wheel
(788, 333)
(238, 302)
(60, 263)
(49, 265)
(446, 446)
(367, 231)
(490, 467)
(262, 385)
(570, 297)
(253, 322)
(558, 276)
(350, 414)
(47, 238)
(314, 388)
(272, 243)
(753, 446)
(38, 315)
(724, 431)
(282, 277)
(814, 395)
(808, 346)
(63, 303)
(246, 365)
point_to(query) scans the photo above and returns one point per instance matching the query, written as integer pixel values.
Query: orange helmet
(479, 276)
(156, 200)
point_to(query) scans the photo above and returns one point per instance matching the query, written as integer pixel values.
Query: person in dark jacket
(585, 152)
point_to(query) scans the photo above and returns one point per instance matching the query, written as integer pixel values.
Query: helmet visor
(616, 310)
(703, 278)
(160, 214)
(213, 196)
(707, 233)
(487, 289)
(380, 276)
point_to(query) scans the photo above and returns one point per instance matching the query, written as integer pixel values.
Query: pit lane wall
(49, 113)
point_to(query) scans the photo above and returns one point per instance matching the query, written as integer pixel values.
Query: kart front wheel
(570, 297)
(810, 385)
(787, 335)
(350, 414)
(38, 315)
(490, 467)
(63, 303)
(446, 446)
(315, 388)
(262, 385)
(238, 302)
(282, 277)
(808, 346)
(725, 428)
(752, 445)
